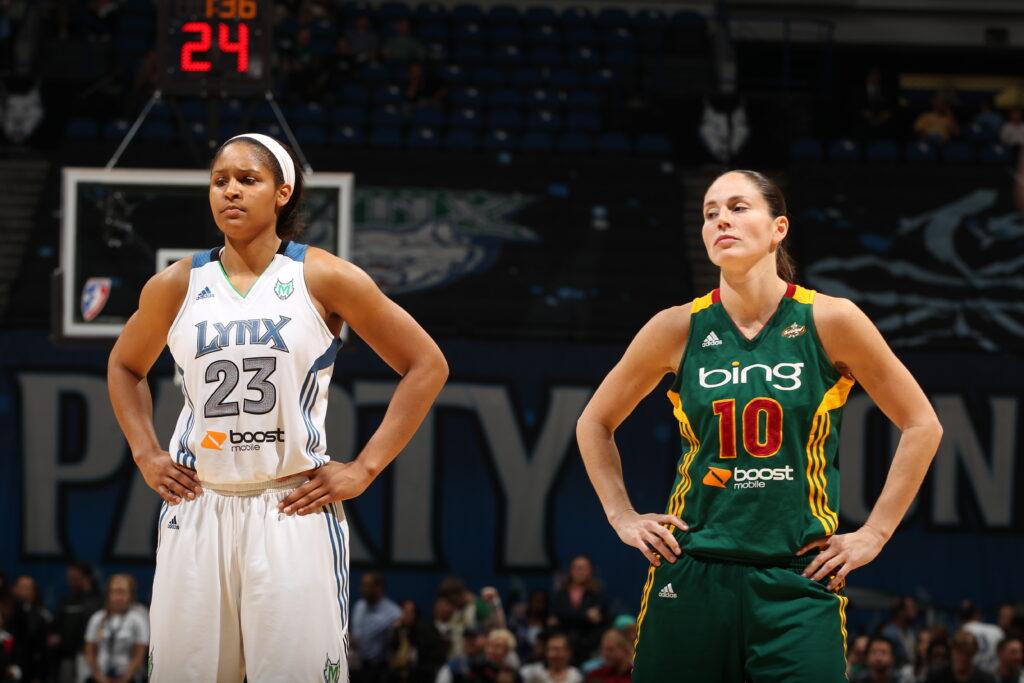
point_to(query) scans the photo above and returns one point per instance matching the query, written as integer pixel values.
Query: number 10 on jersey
(760, 426)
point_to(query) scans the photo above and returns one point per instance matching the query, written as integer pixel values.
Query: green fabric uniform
(757, 480)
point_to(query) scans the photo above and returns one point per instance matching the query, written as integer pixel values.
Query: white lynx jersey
(255, 371)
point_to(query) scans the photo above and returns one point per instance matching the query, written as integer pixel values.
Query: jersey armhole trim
(308, 296)
(188, 298)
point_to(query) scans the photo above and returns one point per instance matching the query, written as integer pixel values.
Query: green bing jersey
(759, 420)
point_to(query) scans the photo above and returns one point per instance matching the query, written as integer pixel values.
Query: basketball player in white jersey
(252, 555)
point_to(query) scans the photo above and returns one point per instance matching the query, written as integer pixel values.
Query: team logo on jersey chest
(284, 289)
(238, 332)
(793, 331)
(332, 670)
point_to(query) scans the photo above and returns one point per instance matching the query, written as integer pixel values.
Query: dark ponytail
(290, 221)
(785, 266)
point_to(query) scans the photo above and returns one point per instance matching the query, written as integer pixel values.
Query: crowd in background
(569, 634)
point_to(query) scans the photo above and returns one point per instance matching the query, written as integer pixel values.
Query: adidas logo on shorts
(667, 591)
(711, 340)
(205, 294)
(173, 524)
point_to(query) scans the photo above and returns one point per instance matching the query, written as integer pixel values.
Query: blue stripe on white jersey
(308, 396)
(185, 457)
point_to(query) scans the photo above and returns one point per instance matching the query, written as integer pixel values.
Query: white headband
(284, 160)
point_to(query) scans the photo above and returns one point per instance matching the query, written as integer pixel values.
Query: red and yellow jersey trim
(800, 294)
(821, 427)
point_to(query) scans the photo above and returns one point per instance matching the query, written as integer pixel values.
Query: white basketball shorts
(242, 590)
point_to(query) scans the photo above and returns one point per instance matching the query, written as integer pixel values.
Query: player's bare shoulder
(835, 316)
(666, 334)
(165, 292)
(325, 271)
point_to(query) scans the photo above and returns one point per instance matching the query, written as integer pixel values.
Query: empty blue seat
(393, 11)
(387, 116)
(506, 33)
(583, 99)
(958, 153)
(581, 36)
(467, 97)
(465, 118)
(507, 55)
(584, 120)
(471, 32)
(193, 109)
(804, 149)
(577, 16)
(620, 37)
(263, 112)
(882, 150)
(542, 98)
(467, 13)
(545, 34)
(613, 143)
(272, 129)
(82, 129)
(388, 94)
(526, 77)
(506, 98)
(453, 74)
(612, 17)
(540, 15)
(232, 110)
(573, 143)
(430, 11)
(433, 31)
(488, 76)
(470, 54)
(354, 93)
(844, 150)
(509, 119)
(995, 154)
(423, 138)
(919, 151)
(978, 133)
(602, 79)
(386, 138)
(375, 73)
(653, 144)
(564, 78)
(536, 141)
(349, 115)
(544, 120)
(503, 14)
(310, 112)
(545, 55)
(583, 57)
(648, 18)
(461, 139)
(619, 57)
(499, 139)
(157, 131)
(427, 117)
(310, 134)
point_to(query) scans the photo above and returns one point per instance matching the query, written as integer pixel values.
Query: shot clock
(214, 46)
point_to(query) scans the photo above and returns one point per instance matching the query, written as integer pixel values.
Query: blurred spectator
(987, 635)
(418, 649)
(469, 610)
(425, 87)
(1010, 653)
(922, 666)
(626, 625)
(68, 632)
(528, 622)
(508, 676)
(857, 655)
(403, 46)
(875, 106)
(363, 40)
(1009, 620)
(989, 119)
(6, 601)
(961, 668)
(342, 62)
(444, 613)
(899, 629)
(1012, 132)
(117, 636)
(306, 73)
(373, 622)
(556, 666)
(880, 664)
(472, 654)
(579, 607)
(938, 124)
(499, 655)
(29, 626)
(617, 654)
(938, 655)
(8, 670)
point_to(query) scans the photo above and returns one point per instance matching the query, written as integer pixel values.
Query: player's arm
(850, 338)
(653, 353)
(137, 348)
(347, 291)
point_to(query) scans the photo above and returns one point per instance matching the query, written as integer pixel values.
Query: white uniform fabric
(242, 590)
(255, 370)
(115, 636)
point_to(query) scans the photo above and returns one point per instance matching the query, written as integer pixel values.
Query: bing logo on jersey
(238, 332)
(789, 372)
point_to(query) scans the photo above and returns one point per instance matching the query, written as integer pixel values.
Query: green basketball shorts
(704, 620)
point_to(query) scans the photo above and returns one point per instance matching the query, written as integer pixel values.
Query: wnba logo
(711, 379)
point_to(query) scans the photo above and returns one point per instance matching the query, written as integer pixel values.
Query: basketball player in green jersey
(746, 568)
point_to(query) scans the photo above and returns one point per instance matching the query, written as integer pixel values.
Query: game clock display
(207, 47)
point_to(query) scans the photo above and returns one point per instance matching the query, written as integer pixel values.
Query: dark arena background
(526, 180)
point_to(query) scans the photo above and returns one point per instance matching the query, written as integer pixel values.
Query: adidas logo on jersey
(667, 592)
(205, 294)
(173, 524)
(711, 340)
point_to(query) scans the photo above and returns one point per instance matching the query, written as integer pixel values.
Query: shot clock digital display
(214, 46)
